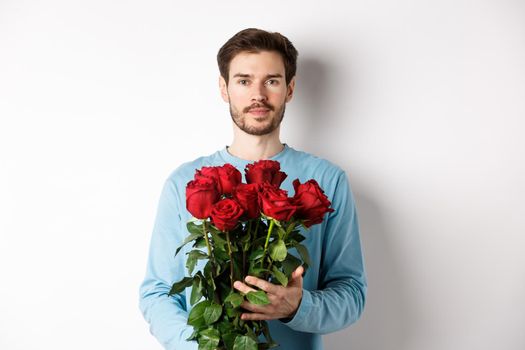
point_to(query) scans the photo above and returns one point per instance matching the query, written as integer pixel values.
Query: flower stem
(231, 257)
(267, 241)
(206, 238)
(268, 236)
(212, 261)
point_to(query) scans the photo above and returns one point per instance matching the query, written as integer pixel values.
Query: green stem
(206, 238)
(267, 241)
(231, 257)
(257, 227)
(244, 250)
(212, 261)
(268, 236)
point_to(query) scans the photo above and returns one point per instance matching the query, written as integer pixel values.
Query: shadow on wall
(385, 323)
(313, 97)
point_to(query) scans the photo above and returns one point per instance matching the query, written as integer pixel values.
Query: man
(257, 80)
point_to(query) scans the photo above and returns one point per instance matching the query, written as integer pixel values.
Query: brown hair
(256, 40)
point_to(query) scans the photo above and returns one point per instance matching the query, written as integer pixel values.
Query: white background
(421, 102)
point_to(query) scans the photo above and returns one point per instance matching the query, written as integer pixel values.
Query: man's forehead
(257, 63)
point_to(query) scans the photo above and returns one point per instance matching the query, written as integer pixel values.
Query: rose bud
(229, 178)
(225, 214)
(276, 203)
(226, 176)
(201, 195)
(312, 203)
(247, 195)
(265, 171)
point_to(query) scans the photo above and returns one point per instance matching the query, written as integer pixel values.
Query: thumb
(297, 277)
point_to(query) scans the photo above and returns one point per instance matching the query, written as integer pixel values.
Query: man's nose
(259, 93)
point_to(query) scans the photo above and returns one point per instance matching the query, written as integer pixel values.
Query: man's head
(257, 40)
(257, 78)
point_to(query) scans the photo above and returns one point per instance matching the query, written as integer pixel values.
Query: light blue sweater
(334, 288)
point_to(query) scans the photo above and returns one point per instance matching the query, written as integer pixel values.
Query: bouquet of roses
(242, 229)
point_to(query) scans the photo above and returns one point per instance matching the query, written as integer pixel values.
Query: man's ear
(224, 89)
(290, 89)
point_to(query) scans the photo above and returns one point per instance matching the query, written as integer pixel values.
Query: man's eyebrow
(243, 75)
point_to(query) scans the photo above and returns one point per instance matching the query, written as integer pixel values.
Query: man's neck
(255, 148)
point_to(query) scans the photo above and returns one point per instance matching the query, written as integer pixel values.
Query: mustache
(259, 105)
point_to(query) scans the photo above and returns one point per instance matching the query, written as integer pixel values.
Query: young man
(257, 80)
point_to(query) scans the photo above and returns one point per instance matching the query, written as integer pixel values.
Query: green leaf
(221, 255)
(193, 335)
(196, 316)
(229, 339)
(194, 228)
(181, 285)
(304, 254)
(200, 243)
(281, 232)
(278, 250)
(193, 256)
(235, 299)
(296, 236)
(218, 241)
(212, 313)
(256, 255)
(243, 342)
(256, 271)
(258, 297)
(290, 264)
(230, 312)
(281, 277)
(197, 289)
(191, 237)
(209, 339)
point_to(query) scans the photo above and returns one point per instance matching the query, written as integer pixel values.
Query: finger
(298, 272)
(297, 277)
(255, 316)
(262, 284)
(254, 308)
(243, 288)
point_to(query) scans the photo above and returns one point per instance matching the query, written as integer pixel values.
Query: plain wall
(421, 102)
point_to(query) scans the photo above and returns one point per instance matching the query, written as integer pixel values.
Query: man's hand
(284, 301)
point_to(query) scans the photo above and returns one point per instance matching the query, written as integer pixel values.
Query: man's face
(257, 91)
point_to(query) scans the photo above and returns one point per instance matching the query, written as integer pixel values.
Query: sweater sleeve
(166, 315)
(340, 297)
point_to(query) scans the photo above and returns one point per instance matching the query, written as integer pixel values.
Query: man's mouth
(259, 111)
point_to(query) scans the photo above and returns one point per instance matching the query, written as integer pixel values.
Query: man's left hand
(284, 301)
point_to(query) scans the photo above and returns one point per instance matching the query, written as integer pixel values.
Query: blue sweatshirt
(334, 287)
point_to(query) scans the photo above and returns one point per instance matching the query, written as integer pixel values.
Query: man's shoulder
(186, 170)
(310, 162)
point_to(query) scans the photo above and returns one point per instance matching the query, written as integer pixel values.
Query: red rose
(225, 214)
(276, 203)
(265, 171)
(226, 176)
(311, 201)
(201, 195)
(247, 195)
(229, 178)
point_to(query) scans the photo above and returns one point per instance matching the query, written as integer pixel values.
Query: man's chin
(258, 131)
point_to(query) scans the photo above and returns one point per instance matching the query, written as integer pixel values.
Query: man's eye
(243, 81)
(272, 82)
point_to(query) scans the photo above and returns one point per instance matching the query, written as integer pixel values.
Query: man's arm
(167, 315)
(340, 298)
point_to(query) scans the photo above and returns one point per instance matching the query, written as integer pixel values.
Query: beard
(275, 119)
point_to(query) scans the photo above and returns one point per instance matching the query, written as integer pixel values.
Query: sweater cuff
(302, 313)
